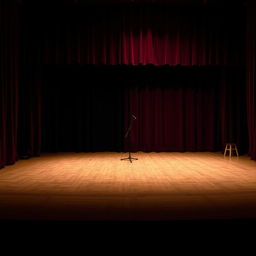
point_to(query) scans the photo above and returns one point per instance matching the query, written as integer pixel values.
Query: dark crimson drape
(251, 77)
(30, 111)
(82, 108)
(177, 108)
(119, 34)
(186, 109)
(9, 81)
(134, 34)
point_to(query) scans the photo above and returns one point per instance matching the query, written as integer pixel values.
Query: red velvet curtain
(251, 80)
(186, 109)
(9, 81)
(134, 34)
(30, 110)
(113, 34)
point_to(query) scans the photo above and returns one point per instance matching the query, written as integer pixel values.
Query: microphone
(134, 117)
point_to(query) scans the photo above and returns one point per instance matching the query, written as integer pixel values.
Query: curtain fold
(186, 109)
(251, 81)
(135, 35)
(9, 81)
(82, 109)
(29, 141)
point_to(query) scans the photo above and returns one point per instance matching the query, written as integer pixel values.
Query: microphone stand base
(130, 158)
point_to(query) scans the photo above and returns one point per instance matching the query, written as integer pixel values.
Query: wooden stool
(231, 147)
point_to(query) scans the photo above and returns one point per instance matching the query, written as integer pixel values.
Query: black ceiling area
(173, 2)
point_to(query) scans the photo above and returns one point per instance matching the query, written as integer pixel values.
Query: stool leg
(225, 150)
(236, 150)
(230, 150)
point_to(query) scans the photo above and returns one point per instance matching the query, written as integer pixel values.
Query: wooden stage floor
(100, 187)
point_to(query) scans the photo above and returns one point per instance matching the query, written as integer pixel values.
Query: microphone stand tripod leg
(130, 158)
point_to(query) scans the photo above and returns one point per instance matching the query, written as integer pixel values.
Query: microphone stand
(128, 134)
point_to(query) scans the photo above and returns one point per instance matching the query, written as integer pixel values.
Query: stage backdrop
(186, 108)
(82, 108)
(88, 108)
(63, 34)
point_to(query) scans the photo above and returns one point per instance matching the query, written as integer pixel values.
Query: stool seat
(231, 147)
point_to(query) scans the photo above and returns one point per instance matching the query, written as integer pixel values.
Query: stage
(157, 187)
